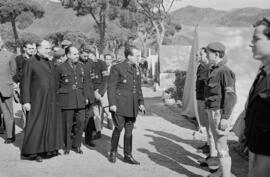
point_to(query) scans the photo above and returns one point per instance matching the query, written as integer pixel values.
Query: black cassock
(43, 130)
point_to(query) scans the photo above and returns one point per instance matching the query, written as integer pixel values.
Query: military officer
(73, 97)
(220, 99)
(125, 99)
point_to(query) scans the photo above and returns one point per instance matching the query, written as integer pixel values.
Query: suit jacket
(73, 86)
(7, 71)
(257, 118)
(20, 60)
(124, 89)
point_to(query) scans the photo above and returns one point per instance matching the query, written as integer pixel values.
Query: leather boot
(112, 157)
(129, 159)
(128, 145)
(115, 141)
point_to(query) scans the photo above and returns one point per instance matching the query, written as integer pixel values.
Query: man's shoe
(78, 150)
(129, 159)
(55, 153)
(91, 144)
(38, 159)
(9, 140)
(97, 135)
(204, 149)
(66, 152)
(112, 157)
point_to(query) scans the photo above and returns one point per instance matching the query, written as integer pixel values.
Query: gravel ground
(164, 143)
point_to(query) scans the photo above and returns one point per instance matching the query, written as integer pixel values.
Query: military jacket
(124, 89)
(73, 86)
(220, 90)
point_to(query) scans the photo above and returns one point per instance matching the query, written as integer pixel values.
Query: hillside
(58, 18)
(191, 15)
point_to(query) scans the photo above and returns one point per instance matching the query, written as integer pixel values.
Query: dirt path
(163, 143)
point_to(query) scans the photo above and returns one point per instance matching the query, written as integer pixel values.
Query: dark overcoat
(124, 89)
(43, 130)
(257, 118)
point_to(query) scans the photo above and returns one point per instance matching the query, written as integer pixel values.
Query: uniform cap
(216, 46)
(88, 49)
(66, 43)
(59, 53)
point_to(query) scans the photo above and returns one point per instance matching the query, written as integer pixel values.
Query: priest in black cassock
(43, 129)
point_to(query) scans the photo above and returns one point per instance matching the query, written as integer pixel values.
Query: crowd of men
(63, 93)
(67, 92)
(215, 93)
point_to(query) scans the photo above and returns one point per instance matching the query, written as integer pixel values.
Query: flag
(189, 95)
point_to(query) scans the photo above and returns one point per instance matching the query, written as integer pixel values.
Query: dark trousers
(6, 107)
(120, 123)
(67, 117)
(89, 124)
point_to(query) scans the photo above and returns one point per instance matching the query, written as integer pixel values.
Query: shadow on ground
(171, 155)
(155, 106)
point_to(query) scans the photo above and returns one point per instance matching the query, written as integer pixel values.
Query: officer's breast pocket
(65, 78)
(123, 78)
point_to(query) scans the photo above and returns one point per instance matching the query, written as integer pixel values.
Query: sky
(222, 4)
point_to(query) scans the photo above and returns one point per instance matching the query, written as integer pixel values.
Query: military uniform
(124, 91)
(73, 92)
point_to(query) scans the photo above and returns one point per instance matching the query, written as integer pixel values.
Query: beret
(216, 46)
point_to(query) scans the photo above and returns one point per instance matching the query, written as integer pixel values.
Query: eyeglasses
(263, 21)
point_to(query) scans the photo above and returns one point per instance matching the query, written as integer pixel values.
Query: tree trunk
(15, 33)
(101, 38)
(160, 31)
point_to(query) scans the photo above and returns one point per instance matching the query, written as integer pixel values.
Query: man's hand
(86, 102)
(26, 107)
(113, 108)
(224, 124)
(142, 109)
(97, 95)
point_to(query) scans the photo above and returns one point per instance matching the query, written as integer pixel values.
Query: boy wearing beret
(220, 99)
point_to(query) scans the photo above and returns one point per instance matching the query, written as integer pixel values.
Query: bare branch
(94, 17)
(163, 7)
(170, 7)
(146, 11)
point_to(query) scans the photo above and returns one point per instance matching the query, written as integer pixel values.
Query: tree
(100, 11)
(97, 9)
(157, 12)
(77, 38)
(19, 10)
